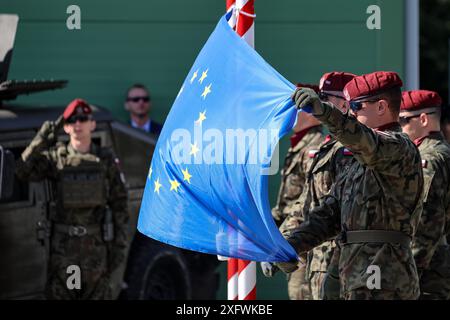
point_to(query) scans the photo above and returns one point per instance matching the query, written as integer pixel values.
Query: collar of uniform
(298, 136)
(71, 149)
(435, 135)
(392, 126)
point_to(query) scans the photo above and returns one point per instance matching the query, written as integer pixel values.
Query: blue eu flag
(207, 186)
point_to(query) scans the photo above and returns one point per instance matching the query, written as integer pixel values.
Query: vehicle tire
(156, 271)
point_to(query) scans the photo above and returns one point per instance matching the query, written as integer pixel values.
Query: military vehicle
(153, 271)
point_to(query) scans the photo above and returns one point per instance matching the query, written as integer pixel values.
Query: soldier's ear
(383, 107)
(424, 119)
(66, 128)
(125, 105)
(93, 125)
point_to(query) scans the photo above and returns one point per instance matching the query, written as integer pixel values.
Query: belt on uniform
(77, 230)
(375, 236)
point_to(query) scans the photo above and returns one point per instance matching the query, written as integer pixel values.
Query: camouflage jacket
(331, 160)
(293, 174)
(42, 159)
(381, 190)
(435, 220)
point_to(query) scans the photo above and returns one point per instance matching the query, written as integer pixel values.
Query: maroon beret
(77, 106)
(371, 84)
(307, 85)
(334, 82)
(420, 99)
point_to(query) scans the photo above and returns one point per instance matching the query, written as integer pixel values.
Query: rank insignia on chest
(312, 153)
(424, 163)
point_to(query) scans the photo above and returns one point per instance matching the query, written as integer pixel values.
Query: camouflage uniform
(329, 161)
(381, 192)
(430, 249)
(296, 165)
(85, 185)
(293, 174)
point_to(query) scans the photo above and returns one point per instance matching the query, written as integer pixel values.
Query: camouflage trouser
(316, 282)
(298, 286)
(57, 290)
(367, 294)
(318, 261)
(435, 281)
(90, 255)
(434, 287)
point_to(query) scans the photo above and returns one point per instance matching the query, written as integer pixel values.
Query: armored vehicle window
(21, 188)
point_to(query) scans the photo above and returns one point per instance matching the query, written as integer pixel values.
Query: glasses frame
(405, 120)
(356, 106)
(324, 96)
(81, 118)
(137, 99)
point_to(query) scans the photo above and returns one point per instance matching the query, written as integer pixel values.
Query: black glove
(269, 269)
(49, 129)
(307, 100)
(59, 123)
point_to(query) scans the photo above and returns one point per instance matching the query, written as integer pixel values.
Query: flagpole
(242, 273)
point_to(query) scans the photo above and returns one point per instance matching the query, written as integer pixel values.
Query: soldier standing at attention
(420, 119)
(304, 142)
(89, 217)
(375, 207)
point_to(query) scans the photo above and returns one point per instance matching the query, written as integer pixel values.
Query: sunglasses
(137, 99)
(80, 118)
(356, 106)
(325, 96)
(405, 120)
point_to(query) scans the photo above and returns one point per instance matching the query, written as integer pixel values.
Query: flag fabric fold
(207, 186)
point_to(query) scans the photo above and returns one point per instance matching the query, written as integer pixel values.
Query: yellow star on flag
(174, 185)
(186, 176)
(201, 117)
(206, 91)
(157, 186)
(194, 76)
(204, 75)
(194, 149)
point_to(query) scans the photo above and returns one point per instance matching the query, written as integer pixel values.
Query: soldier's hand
(269, 269)
(287, 267)
(49, 129)
(59, 123)
(307, 100)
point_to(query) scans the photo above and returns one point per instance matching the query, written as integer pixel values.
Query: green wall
(156, 42)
